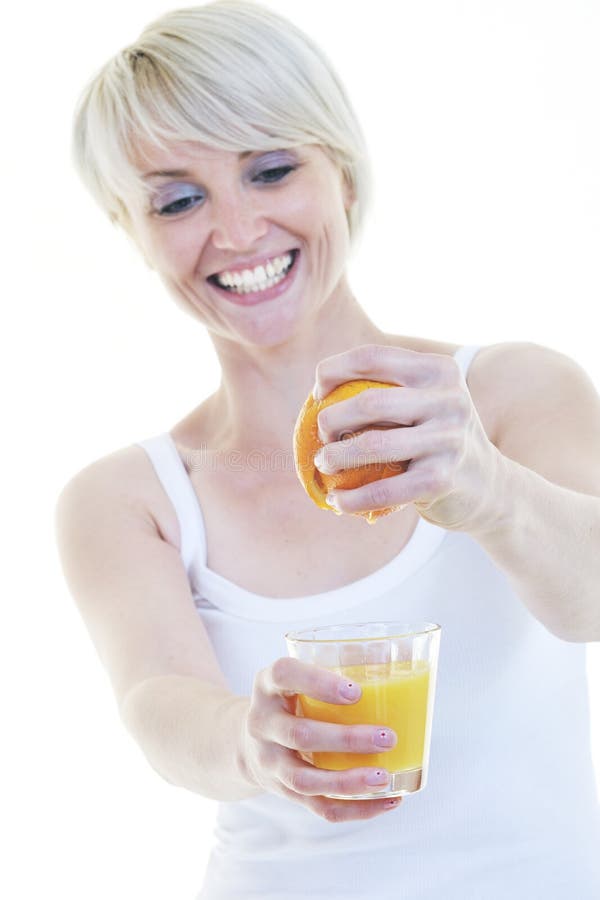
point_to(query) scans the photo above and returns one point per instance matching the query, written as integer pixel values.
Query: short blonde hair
(232, 75)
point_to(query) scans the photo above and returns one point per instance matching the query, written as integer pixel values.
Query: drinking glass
(395, 664)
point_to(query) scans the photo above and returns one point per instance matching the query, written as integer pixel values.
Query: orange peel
(307, 444)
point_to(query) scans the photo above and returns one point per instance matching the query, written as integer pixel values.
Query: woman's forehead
(178, 154)
(149, 159)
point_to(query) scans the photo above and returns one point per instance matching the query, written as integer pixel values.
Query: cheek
(319, 212)
(171, 250)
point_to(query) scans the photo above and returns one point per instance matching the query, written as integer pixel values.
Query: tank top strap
(177, 485)
(464, 356)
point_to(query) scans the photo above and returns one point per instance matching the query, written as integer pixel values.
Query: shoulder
(124, 478)
(545, 407)
(523, 378)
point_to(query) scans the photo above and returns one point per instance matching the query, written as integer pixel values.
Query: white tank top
(510, 808)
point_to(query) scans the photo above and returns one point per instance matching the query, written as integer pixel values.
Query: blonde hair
(232, 75)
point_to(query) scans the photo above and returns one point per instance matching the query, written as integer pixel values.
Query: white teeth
(260, 278)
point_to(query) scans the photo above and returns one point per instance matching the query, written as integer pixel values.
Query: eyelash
(169, 210)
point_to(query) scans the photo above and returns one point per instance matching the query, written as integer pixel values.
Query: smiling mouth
(251, 281)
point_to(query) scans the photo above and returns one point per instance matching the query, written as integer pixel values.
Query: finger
(290, 676)
(351, 810)
(416, 484)
(303, 778)
(382, 363)
(389, 406)
(306, 734)
(395, 445)
(342, 810)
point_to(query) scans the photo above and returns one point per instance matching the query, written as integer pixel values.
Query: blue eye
(177, 206)
(168, 203)
(274, 174)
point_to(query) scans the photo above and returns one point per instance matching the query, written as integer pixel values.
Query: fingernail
(350, 691)
(322, 465)
(332, 500)
(385, 739)
(379, 777)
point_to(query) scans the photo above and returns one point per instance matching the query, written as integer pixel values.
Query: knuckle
(344, 783)
(320, 370)
(364, 403)
(451, 372)
(352, 740)
(371, 441)
(458, 404)
(259, 724)
(333, 814)
(299, 735)
(454, 438)
(428, 485)
(260, 681)
(430, 371)
(381, 399)
(280, 672)
(324, 684)
(367, 357)
(437, 481)
(296, 780)
(254, 722)
(379, 494)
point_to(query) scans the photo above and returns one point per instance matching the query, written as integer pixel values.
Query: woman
(225, 145)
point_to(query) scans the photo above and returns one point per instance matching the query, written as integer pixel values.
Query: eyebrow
(184, 173)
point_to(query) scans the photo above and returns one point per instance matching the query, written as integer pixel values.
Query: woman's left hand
(454, 474)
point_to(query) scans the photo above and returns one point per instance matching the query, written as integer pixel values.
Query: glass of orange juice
(395, 664)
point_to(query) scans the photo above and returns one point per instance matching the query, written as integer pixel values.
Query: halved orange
(307, 443)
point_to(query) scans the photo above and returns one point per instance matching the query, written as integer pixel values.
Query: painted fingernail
(385, 739)
(378, 777)
(350, 691)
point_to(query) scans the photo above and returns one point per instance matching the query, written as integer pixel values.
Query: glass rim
(415, 630)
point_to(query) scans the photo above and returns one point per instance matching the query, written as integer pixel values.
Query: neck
(263, 388)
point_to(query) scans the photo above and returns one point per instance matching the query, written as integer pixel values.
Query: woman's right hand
(273, 734)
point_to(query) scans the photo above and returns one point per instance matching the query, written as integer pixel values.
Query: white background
(483, 122)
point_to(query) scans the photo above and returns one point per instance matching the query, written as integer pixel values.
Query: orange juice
(393, 695)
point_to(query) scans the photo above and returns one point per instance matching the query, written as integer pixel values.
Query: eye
(178, 206)
(276, 174)
(171, 202)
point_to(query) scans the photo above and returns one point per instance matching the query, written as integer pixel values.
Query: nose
(237, 221)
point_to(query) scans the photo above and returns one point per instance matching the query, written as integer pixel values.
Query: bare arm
(192, 734)
(546, 521)
(133, 594)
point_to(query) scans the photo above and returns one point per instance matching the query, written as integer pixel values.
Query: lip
(257, 297)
